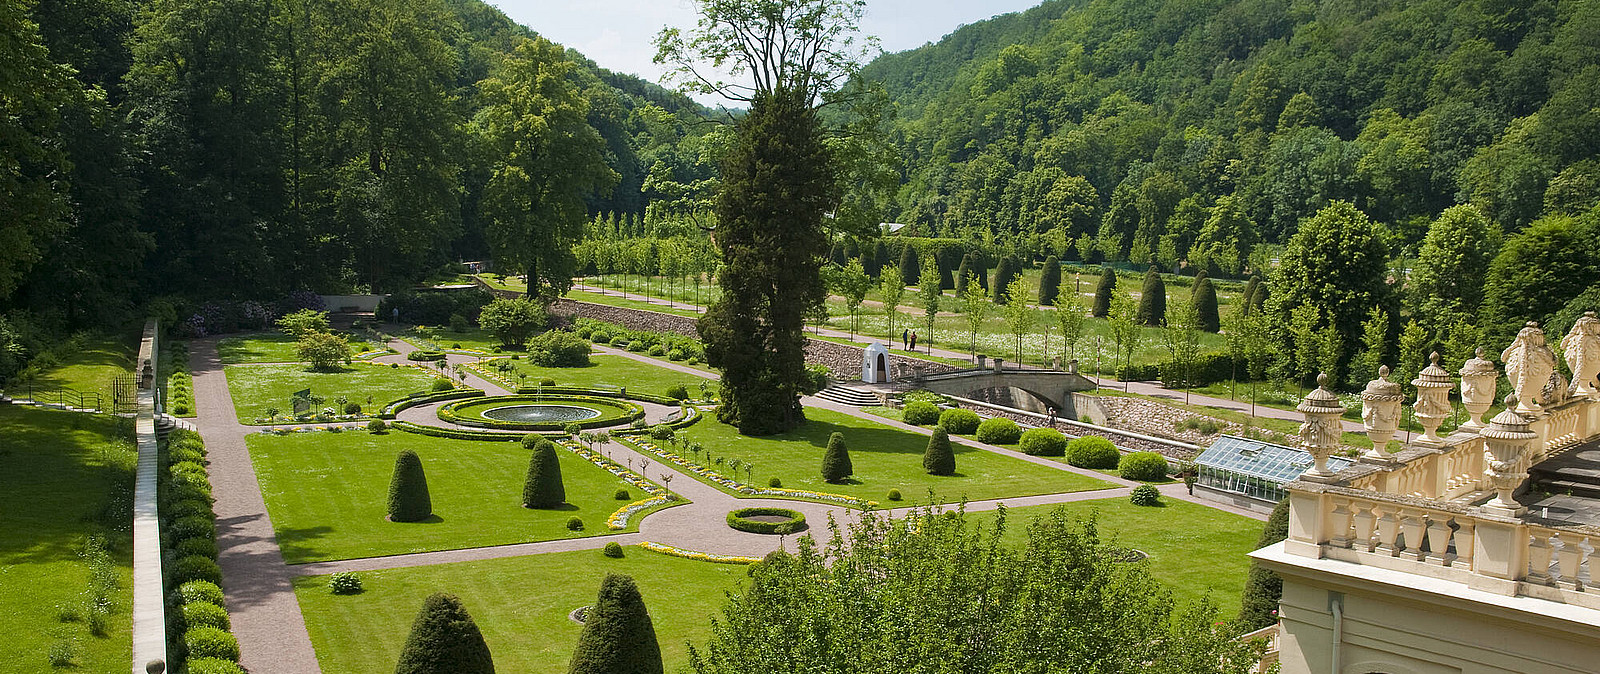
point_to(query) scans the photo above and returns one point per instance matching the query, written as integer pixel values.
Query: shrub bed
(197, 622)
(740, 519)
(1092, 451)
(999, 431)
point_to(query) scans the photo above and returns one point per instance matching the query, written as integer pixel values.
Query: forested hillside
(1192, 130)
(264, 148)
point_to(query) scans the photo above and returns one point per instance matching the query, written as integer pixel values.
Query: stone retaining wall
(1177, 451)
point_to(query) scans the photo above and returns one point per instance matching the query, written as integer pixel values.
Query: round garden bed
(540, 412)
(762, 520)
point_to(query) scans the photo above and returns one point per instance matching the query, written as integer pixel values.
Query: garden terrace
(607, 371)
(255, 388)
(276, 347)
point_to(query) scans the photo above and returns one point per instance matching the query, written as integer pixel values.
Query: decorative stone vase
(1507, 437)
(1529, 364)
(1320, 432)
(1582, 349)
(1478, 377)
(1433, 400)
(1380, 413)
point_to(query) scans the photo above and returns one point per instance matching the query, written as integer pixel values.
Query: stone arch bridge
(1040, 390)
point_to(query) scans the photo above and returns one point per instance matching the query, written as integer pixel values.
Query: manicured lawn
(327, 494)
(89, 364)
(629, 303)
(257, 387)
(270, 347)
(446, 339)
(64, 476)
(520, 604)
(884, 458)
(612, 370)
(1194, 550)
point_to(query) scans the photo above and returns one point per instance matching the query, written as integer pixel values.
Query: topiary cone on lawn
(543, 488)
(836, 463)
(939, 459)
(408, 490)
(618, 637)
(444, 640)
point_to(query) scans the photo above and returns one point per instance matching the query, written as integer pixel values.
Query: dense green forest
(264, 148)
(1191, 130)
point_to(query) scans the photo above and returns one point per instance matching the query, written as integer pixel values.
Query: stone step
(1570, 487)
(848, 396)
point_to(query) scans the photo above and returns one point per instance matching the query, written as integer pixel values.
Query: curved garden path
(259, 585)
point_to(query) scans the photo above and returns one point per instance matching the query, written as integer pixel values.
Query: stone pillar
(1380, 413)
(1320, 432)
(1072, 366)
(1581, 346)
(998, 365)
(1507, 437)
(1433, 400)
(983, 360)
(1478, 378)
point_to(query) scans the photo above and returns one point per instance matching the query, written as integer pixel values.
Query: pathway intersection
(259, 585)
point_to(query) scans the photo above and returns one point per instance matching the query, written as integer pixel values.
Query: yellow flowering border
(714, 558)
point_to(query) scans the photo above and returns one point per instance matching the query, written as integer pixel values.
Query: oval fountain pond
(541, 414)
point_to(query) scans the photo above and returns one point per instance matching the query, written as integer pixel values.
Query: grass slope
(257, 387)
(884, 458)
(63, 477)
(327, 492)
(88, 364)
(520, 603)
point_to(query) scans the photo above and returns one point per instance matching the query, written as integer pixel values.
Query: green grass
(446, 339)
(612, 370)
(87, 364)
(629, 303)
(1194, 550)
(520, 604)
(270, 347)
(884, 458)
(63, 477)
(327, 494)
(257, 387)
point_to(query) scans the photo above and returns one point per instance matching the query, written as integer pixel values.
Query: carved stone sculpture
(1433, 400)
(1529, 364)
(1478, 377)
(1581, 346)
(1321, 431)
(1507, 437)
(1380, 413)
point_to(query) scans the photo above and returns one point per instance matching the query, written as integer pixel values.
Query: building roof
(1265, 460)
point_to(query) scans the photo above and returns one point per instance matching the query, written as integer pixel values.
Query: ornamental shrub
(213, 666)
(210, 642)
(677, 354)
(352, 408)
(345, 582)
(1145, 495)
(678, 392)
(920, 413)
(574, 523)
(200, 590)
(939, 458)
(303, 322)
(558, 349)
(621, 495)
(543, 488)
(661, 432)
(1092, 451)
(1153, 299)
(618, 636)
(894, 494)
(636, 346)
(1205, 303)
(199, 545)
(441, 385)
(377, 426)
(741, 520)
(189, 507)
(196, 567)
(205, 614)
(620, 341)
(1143, 466)
(408, 490)
(836, 462)
(194, 526)
(421, 355)
(613, 550)
(775, 483)
(1043, 442)
(999, 431)
(959, 421)
(1263, 589)
(1102, 293)
(1049, 281)
(444, 640)
(656, 351)
(513, 320)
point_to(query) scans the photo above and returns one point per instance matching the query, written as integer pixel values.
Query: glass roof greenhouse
(1254, 468)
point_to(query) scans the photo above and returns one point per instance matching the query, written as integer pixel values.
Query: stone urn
(1478, 377)
(1506, 438)
(1380, 413)
(1320, 432)
(1433, 400)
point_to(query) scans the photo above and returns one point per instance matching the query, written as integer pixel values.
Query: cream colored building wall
(1403, 630)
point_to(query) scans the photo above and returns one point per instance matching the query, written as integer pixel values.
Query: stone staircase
(1575, 473)
(845, 395)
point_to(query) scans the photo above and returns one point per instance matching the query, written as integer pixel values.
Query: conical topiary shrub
(910, 270)
(408, 490)
(543, 489)
(836, 462)
(1153, 299)
(963, 274)
(1205, 304)
(1050, 281)
(618, 637)
(444, 640)
(939, 459)
(1248, 295)
(1102, 293)
(1003, 273)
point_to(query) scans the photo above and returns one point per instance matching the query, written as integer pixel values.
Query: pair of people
(908, 340)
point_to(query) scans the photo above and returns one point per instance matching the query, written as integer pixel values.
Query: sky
(618, 34)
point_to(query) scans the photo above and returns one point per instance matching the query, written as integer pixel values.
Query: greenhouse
(1254, 468)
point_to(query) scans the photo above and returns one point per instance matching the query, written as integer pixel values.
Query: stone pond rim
(541, 413)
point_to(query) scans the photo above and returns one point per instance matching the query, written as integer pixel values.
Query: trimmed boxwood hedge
(423, 355)
(737, 519)
(597, 391)
(425, 397)
(920, 413)
(210, 642)
(1143, 466)
(454, 433)
(1043, 442)
(470, 412)
(959, 421)
(999, 431)
(1092, 451)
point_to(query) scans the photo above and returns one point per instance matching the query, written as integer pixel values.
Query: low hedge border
(738, 520)
(426, 355)
(595, 391)
(461, 412)
(690, 414)
(463, 434)
(395, 407)
(197, 622)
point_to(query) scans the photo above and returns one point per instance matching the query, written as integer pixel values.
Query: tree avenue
(778, 181)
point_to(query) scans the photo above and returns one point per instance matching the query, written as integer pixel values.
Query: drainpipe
(1336, 604)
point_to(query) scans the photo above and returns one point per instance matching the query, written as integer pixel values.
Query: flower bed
(742, 519)
(739, 487)
(612, 411)
(701, 556)
(618, 520)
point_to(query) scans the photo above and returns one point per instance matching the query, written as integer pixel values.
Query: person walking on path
(904, 335)
(913, 346)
